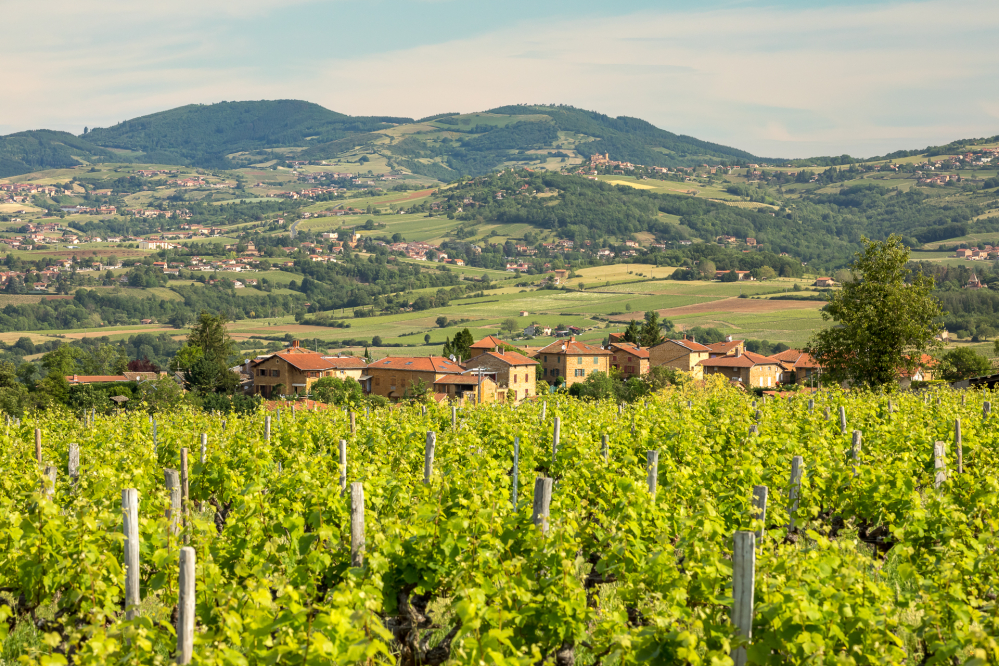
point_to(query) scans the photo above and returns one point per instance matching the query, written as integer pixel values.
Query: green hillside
(204, 135)
(36, 150)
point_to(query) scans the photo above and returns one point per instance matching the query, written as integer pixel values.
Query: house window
(275, 373)
(579, 360)
(546, 359)
(596, 360)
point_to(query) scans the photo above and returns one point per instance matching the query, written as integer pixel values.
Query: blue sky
(788, 79)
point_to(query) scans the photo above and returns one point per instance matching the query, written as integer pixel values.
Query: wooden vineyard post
(958, 445)
(604, 446)
(353, 424)
(760, 508)
(515, 473)
(652, 471)
(171, 479)
(49, 481)
(939, 464)
(343, 465)
(184, 488)
(186, 606)
(73, 467)
(267, 428)
(963, 396)
(690, 404)
(842, 419)
(428, 456)
(454, 416)
(754, 430)
(891, 407)
(743, 586)
(758, 415)
(130, 527)
(811, 405)
(38, 445)
(797, 462)
(423, 409)
(156, 446)
(986, 409)
(544, 411)
(204, 446)
(542, 503)
(827, 413)
(356, 524)
(556, 436)
(855, 448)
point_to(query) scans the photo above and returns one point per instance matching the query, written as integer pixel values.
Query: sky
(779, 79)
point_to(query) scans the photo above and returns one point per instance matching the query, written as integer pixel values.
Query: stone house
(683, 355)
(572, 360)
(290, 371)
(745, 368)
(392, 377)
(514, 372)
(629, 359)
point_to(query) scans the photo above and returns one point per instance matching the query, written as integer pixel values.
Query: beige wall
(383, 379)
(571, 368)
(519, 378)
(623, 360)
(676, 356)
(765, 376)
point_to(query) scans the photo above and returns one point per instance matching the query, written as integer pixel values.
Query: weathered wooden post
(49, 481)
(842, 419)
(986, 409)
(267, 428)
(454, 415)
(73, 467)
(356, 524)
(171, 479)
(353, 424)
(959, 447)
(604, 446)
(542, 502)
(544, 411)
(754, 430)
(797, 464)
(690, 404)
(811, 405)
(204, 446)
(652, 471)
(760, 508)
(130, 527)
(38, 445)
(827, 412)
(184, 489)
(514, 482)
(939, 464)
(556, 436)
(743, 586)
(343, 465)
(428, 456)
(186, 606)
(855, 448)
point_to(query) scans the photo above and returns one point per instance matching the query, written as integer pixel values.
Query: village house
(729, 347)
(745, 368)
(629, 359)
(796, 367)
(290, 371)
(824, 282)
(514, 373)
(470, 388)
(684, 355)
(394, 377)
(572, 361)
(743, 275)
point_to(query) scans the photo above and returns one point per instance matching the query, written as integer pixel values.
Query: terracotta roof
(510, 358)
(724, 347)
(306, 360)
(570, 347)
(686, 344)
(630, 348)
(744, 360)
(416, 364)
(95, 379)
(140, 376)
(487, 342)
(347, 361)
(467, 380)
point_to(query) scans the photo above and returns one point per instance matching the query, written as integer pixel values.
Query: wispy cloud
(786, 81)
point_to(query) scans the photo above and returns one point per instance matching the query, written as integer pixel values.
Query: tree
(651, 333)
(633, 333)
(764, 273)
(707, 269)
(963, 363)
(730, 276)
(459, 347)
(885, 319)
(376, 341)
(509, 325)
(441, 321)
(64, 360)
(336, 391)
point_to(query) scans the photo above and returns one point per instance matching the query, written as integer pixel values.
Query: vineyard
(561, 532)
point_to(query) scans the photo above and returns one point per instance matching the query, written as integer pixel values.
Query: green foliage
(336, 391)
(963, 363)
(459, 345)
(25, 152)
(885, 319)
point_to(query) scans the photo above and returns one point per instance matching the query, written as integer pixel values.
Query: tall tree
(209, 372)
(884, 319)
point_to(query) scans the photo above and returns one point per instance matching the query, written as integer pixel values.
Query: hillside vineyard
(697, 527)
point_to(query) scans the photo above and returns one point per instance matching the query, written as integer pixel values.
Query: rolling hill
(35, 150)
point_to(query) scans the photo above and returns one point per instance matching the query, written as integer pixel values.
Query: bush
(336, 391)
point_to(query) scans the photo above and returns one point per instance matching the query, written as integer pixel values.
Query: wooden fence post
(514, 482)
(544, 411)
(842, 419)
(758, 415)
(986, 409)
(760, 508)
(939, 464)
(186, 606)
(963, 396)
(343, 465)
(827, 412)
(754, 430)
(794, 492)
(171, 479)
(73, 468)
(204, 446)
(604, 448)
(811, 405)
(353, 424)
(743, 585)
(690, 404)
(542, 502)
(423, 408)
(130, 527)
(958, 445)
(38, 445)
(652, 471)
(855, 448)
(454, 415)
(356, 524)
(556, 436)
(267, 428)
(48, 481)
(428, 456)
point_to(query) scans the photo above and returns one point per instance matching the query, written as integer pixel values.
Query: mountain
(25, 152)
(205, 134)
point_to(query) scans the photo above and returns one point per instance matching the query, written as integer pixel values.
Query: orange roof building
(572, 361)
(397, 377)
(745, 368)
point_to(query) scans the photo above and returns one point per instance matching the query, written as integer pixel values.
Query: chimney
(728, 338)
(738, 351)
(294, 344)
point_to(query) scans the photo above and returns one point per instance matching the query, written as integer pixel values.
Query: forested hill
(36, 150)
(825, 231)
(204, 134)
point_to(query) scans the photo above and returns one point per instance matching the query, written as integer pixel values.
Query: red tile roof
(630, 348)
(95, 379)
(687, 344)
(306, 360)
(345, 362)
(724, 347)
(488, 342)
(417, 364)
(511, 358)
(744, 360)
(571, 346)
(467, 380)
